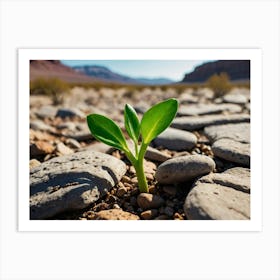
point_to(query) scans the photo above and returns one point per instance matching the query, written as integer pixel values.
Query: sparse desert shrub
(219, 83)
(53, 87)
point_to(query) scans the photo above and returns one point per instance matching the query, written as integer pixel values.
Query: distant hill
(55, 69)
(101, 72)
(156, 81)
(236, 69)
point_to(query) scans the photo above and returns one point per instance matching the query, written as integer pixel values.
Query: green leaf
(132, 124)
(106, 131)
(157, 119)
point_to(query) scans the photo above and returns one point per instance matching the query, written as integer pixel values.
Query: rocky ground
(199, 168)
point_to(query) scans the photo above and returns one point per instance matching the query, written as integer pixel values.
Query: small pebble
(116, 206)
(132, 170)
(63, 150)
(73, 143)
(168, 211)
(149, 214)
(149, 176)
(177, 216)
(121, 191)
(149, 201)
(115, 214)
(111, 199)
(116, 154)
(152, 189)
(128, 186)
(126, 179)
(134, 180)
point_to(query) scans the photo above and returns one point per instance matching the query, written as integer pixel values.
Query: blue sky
(172, 69)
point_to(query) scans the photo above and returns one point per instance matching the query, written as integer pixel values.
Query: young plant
(153, 122)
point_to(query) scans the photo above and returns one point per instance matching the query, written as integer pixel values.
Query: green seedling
(153, 122)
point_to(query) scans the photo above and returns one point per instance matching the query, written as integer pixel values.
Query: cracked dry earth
(197, 169)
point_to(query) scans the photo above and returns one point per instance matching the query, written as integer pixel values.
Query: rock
(232, 150)
(171, 190)
(98, 147)
(73, 143)
(46, 112)
(194, 123)
(72, 182)
(238, 132)
(156, 155)
(149, 201)
(185, 168)
(207, 109)
(177, 216)
(176, 139)
(242, 172)
(208, 202)
(220, 196)
(67, 125)
(149, 214)
(34, 163)
(79, 136)
(187, 97)
(63, 150)
(40, 148)
(121, 191)
(115, 214)
(235, 98)
(67, 112)
(237, 178)
(40, 125)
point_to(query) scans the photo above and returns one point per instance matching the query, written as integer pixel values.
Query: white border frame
(254, 55)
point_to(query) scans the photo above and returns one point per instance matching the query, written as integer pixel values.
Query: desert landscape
(197, 169)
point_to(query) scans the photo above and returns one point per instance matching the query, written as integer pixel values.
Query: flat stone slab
(184, 168)
(207, 109)
(176, 140)
(239, 132)
(220, 196)
(46, 111)
(235, 98)
(232, 150)
(237, 178)
(72, 182)
(194, 123)
(156, 155)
